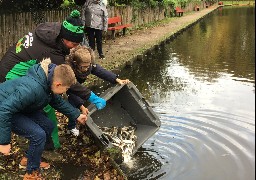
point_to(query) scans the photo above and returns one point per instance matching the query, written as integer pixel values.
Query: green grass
(238, 2)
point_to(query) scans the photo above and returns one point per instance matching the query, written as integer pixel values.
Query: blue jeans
(35, 127)
(71, 124)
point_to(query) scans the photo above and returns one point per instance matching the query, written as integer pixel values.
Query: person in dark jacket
(50, 39)
(82, 61)
(21, 103)
(95, 16)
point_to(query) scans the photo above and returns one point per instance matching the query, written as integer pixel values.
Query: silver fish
(123, 138)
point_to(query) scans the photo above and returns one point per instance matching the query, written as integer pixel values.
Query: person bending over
(21, 103)
(82, 61)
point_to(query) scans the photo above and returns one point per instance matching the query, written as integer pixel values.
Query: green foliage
(139, 4)
(7, 6)
(67, 3)
(10, 6)
(237, 2)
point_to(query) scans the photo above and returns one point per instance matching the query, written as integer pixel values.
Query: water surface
(202, 86)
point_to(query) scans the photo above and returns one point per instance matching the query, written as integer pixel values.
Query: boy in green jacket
(21, 103)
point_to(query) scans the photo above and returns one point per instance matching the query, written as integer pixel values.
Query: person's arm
(104, 74)
(21, 98)
(75, 100)
(80, 91)
(122, 81)
(109, 76)
(105, 18)
(61, 105)
(84, 110)
(78, 103)
(67, 109)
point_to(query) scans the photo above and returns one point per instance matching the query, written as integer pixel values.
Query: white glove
(74, 131)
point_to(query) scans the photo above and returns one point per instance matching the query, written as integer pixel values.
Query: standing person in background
(105, 2)
(96, 21)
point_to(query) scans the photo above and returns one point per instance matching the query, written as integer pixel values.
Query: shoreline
(119, 52)
(124, 50)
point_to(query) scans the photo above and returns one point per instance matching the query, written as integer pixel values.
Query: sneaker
(74, 132)
(102, 56)
(24, 162)
(35, 175)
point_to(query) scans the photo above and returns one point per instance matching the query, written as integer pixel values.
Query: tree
(8, 6)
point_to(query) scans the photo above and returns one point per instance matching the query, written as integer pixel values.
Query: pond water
(202, 86)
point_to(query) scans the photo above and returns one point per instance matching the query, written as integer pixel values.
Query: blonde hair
(80, 54)
(65, 74)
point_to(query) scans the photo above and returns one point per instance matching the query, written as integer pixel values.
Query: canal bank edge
(123, 51)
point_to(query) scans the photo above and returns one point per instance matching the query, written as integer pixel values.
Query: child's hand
(5, 149)
(82, 118)
(84, 110)
(121, 81)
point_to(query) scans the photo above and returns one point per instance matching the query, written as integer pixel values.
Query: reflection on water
(202, 86)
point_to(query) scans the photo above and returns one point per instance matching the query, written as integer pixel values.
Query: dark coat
(44, 42)
(28, 94)
(40, 44)
(96, 70)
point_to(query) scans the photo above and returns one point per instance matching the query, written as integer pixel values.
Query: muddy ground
(82, 151)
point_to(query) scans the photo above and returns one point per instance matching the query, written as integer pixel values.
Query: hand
(99, 102)
(5, 149)
(82, 119)
(120, 81)
(84, 110)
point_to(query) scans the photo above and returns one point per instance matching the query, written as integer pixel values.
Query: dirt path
(124, 49)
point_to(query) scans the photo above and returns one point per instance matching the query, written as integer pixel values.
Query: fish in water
(122, 137)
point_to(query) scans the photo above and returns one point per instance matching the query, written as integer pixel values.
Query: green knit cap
(72, 28)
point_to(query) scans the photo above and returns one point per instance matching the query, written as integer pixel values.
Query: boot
(49, 146)
(24, 162)
(35, 175)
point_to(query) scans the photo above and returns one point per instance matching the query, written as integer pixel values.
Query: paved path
(123, 49)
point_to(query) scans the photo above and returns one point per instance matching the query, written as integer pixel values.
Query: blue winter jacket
(28, 94)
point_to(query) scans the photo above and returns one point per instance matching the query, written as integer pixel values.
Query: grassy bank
(238, 2)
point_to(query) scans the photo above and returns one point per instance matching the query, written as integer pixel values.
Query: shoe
(49, 146)
(74, 132)
(35, 175)
(24, 162)
(102, 56)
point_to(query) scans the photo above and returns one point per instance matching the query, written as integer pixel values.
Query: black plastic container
(125, 106)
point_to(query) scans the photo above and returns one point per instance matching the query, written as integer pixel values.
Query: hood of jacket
(41, 76)
(48, 32)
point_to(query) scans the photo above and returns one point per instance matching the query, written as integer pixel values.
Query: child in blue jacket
(21, 103)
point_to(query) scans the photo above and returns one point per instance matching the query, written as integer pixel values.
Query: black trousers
(93, 34)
